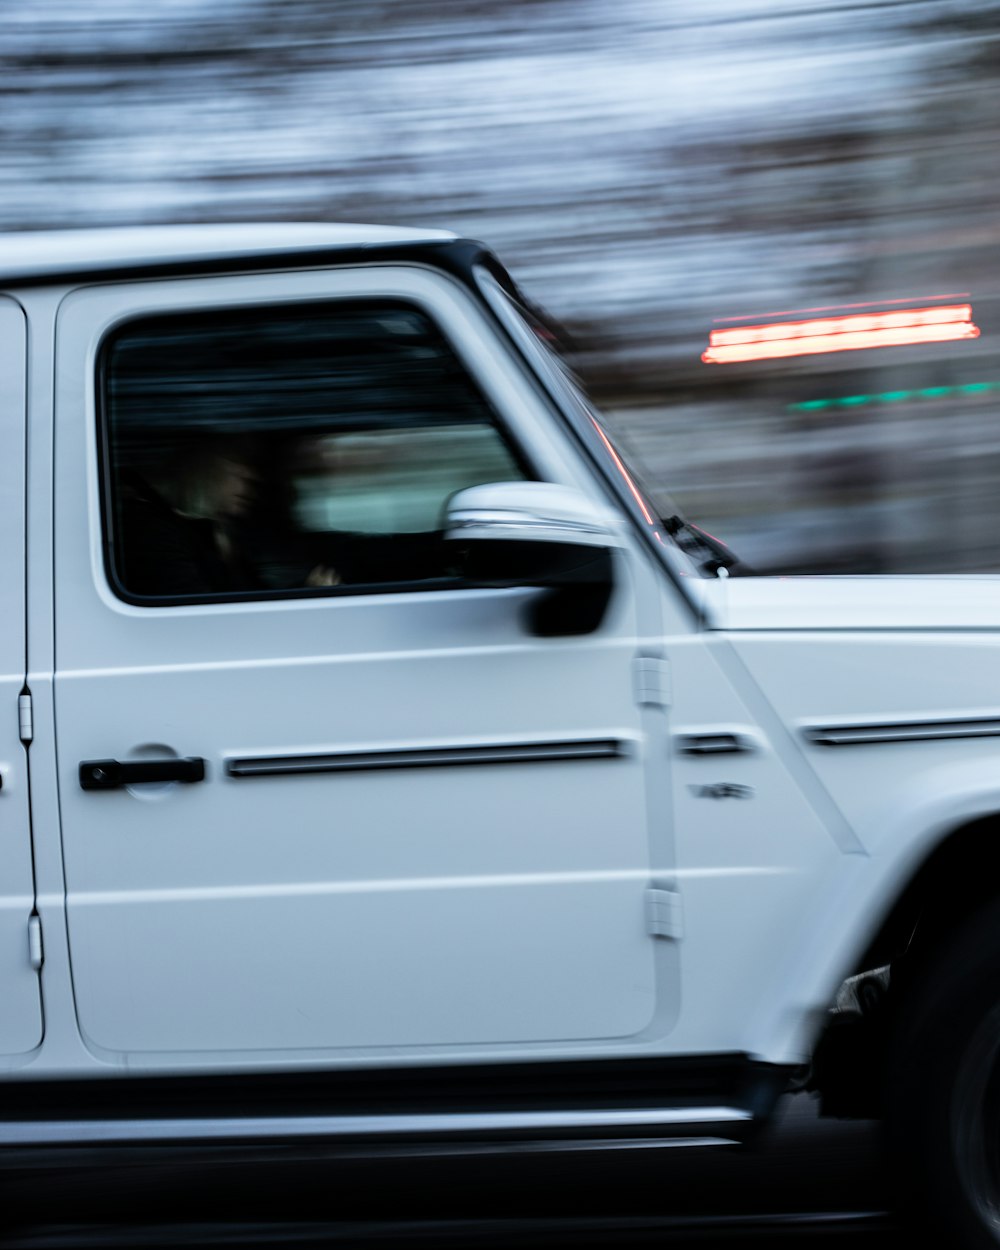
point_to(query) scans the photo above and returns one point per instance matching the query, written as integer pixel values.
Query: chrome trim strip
(433, 757)
(906, 731)
(503, 521)
(564, 1145)
(511, 1123)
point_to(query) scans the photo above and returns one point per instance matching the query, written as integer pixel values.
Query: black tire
(942, 1086)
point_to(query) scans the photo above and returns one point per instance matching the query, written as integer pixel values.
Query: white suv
(377, 763)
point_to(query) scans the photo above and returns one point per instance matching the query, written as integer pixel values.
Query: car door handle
(112, 774)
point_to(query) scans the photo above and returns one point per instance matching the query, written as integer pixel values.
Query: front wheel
(942, 1086)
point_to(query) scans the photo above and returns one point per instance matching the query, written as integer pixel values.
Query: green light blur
(894, 397)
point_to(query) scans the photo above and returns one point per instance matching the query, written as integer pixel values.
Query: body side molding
(902, 731)
(433, 757)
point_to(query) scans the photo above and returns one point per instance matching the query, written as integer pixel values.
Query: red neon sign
(840, 334)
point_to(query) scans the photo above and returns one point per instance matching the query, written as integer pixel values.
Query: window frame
(110, 538)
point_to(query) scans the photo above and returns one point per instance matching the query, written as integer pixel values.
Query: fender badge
(722, 790)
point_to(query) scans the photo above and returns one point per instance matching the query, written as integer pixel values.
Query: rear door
(420, 825)
(21, 1014)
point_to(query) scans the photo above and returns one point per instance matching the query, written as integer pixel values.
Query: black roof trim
(455, 256)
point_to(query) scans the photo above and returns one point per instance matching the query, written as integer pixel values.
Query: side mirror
(537, 534)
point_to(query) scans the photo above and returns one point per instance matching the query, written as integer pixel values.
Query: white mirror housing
(540, 512)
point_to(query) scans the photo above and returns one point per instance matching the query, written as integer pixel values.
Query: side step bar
(559, 1105)
(716, 1124)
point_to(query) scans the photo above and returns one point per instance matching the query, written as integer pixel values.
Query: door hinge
(663, 914)
(25, 720)
(35, 954)
(653, 687)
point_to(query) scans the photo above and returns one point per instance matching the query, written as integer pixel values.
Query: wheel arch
(954, 878)
(952, 881)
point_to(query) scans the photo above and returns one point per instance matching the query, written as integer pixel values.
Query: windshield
(660, 516)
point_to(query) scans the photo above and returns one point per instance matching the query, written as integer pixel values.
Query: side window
(286, 450)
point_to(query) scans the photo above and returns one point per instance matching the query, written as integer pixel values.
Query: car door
(409, 822)
(21, 1017)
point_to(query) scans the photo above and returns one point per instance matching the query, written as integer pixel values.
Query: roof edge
(48, 255)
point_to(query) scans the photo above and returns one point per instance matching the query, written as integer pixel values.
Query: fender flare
(849, 916)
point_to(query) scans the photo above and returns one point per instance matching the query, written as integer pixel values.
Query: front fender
(942, 800)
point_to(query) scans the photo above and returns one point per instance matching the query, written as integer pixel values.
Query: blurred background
(649, 170)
